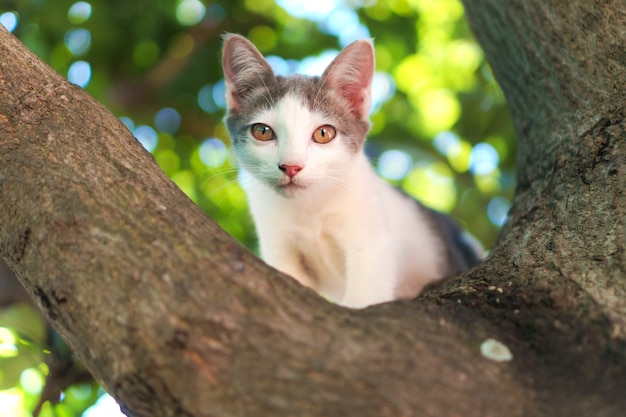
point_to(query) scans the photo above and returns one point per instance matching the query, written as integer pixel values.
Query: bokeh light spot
(205, 99)
(260, 6)
(190, 12)
(128, 122)
(79, 12)
(489, 183)
(483, 159)
(316, 10)
(80, 391)
(167, 120)
(32, 381)
(413, 73)
(460, 160)
(432, 184)
(440, 109)
(447, 143)
(383, 88)
(147, 136)
(213, 152)
(77, 41)
(9, 20)
(498, 210)
(457, 151)
(264, 37)
(12, 401)
(219, 93)
(8, 342)
(340, 20)
(104, 407)
(79, 73)
(465, 54)
(279, 65)
(315, 65)
(351, 34)
(394, 164)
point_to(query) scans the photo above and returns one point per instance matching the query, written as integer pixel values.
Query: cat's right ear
(245, 69)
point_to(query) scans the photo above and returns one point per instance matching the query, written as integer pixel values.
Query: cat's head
(297, 133)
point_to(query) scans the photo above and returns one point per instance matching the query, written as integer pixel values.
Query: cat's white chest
(304, 239)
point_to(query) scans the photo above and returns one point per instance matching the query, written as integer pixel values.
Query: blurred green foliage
(441, 128)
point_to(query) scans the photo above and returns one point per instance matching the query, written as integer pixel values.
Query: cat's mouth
(289, 189)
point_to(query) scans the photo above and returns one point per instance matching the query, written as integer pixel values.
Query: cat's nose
(290, 170)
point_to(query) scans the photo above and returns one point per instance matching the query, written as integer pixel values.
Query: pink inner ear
(351, 75)
(358, 98)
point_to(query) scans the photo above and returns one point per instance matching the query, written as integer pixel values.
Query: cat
(322, 214)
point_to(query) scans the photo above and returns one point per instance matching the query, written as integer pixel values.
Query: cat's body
(322, 214)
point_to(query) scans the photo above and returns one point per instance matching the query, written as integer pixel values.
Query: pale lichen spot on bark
(496, 351)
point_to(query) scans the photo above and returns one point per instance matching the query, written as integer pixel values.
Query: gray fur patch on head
(314, 95)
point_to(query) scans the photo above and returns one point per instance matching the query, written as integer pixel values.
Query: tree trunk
(175, 318)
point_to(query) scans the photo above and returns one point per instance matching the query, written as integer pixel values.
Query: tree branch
(175, 318)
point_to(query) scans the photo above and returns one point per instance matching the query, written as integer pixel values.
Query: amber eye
(324, 134)
(262, 132)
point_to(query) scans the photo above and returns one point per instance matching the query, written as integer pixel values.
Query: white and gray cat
(321, 212)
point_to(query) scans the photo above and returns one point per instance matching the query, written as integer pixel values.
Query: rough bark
(175, 318)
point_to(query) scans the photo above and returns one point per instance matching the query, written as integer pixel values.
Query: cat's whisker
(229, 186)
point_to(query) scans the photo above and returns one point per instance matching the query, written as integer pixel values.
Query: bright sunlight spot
(32, 381)
(8, 20)
(78, 41)
(147, 136)
(79, 12)
(205, 99)
(483, 159)
(432, 184)
(7, 343)
(498, 210)
(190, 12)
(488, 183)
(79, 73)
(440, 109)
(213, 152)
(106, 406)
(457, 151)
(394, 164)
(331, 17)
(313, 10)
(12, 404)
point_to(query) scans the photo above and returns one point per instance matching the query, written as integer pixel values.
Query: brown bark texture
(175, 318)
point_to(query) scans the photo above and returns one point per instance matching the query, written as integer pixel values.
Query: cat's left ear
(245, 69)
(350, 74)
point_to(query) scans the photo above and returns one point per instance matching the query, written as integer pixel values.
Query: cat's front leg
(372, 276)
(285, 261)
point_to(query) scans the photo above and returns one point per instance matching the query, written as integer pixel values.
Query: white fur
(362, 237)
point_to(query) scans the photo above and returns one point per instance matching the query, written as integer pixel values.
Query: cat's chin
(289, 190)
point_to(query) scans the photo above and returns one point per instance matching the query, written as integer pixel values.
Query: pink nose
(290, 170)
